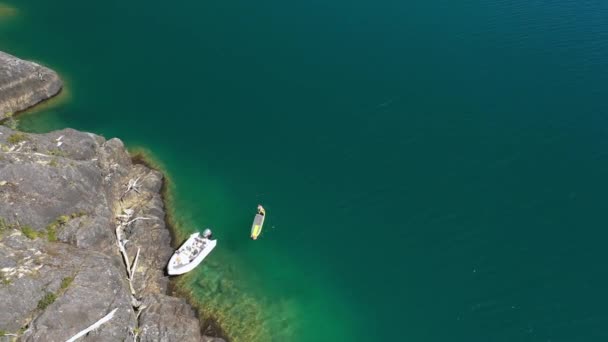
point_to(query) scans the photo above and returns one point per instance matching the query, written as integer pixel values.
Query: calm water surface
(432, 170)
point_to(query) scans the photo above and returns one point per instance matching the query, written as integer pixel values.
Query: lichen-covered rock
(24, 84)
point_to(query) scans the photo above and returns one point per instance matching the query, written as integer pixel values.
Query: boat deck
(258, 220)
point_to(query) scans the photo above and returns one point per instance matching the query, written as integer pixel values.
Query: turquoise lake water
(432, 170)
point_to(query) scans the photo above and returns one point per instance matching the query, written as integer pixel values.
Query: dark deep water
(432, 170)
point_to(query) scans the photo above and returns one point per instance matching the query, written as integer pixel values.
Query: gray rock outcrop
(24, 84)
(60, 269)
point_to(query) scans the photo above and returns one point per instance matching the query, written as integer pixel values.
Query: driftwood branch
(17, 148)
(135, 303)
(134, 267)
(120, 242)
(124, 220)
(93, 326)
(137, 219)
(135, 334)
(29, 153)
(121, 246)
(140, 310)
(128, 213)
(132, 185)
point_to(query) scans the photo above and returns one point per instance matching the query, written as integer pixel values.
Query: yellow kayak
(258, 223)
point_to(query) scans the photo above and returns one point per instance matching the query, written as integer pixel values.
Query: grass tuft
(29, 232)
(65, 283)
(47, 300)
(16, 138)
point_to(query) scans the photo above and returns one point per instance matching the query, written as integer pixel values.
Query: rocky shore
(24, 84)
(82, 232)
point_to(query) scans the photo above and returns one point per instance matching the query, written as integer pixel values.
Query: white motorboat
(191, 253)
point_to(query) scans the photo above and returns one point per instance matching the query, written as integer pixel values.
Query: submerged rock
(24, 84)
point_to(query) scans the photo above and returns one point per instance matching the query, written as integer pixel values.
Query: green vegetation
(47, 300)
(53, 162)
(6, 281)
(9, 122)
(51, 235)
(3, 225)
(26, 230)
(16, 138)
(50, 297)
(63, 219)
(57, 152)
(51, 228)
(29, 232)
(65, 283)
(3, 332)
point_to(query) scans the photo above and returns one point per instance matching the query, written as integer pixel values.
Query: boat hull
(175, 268)
(256, 227)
